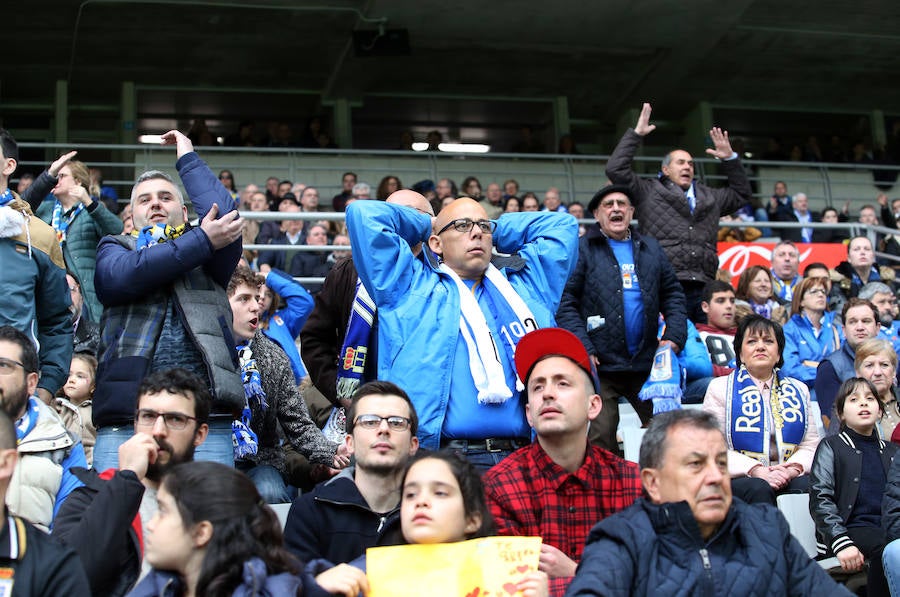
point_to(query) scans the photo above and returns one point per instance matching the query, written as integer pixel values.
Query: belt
(491, 444)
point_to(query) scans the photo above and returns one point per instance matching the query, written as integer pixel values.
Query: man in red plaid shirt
(560, 486)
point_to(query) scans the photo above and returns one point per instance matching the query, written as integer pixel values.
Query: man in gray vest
(163, 292)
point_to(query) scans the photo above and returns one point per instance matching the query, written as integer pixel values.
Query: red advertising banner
(736, 257)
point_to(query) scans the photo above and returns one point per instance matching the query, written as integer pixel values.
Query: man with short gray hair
(163, 290)
(689, 536)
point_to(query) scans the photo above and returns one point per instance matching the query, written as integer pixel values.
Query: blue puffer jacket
(418, 306)
(285, 324)
(801, 344)
(651, 549)
(256, 582)
(595, 290)
(694, 357)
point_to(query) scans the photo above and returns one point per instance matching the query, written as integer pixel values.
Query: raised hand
(722, 148)
(61, 161)
(182, 144)
(225, 230)
(643, 126)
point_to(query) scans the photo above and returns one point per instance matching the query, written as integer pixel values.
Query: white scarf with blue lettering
(484, 356)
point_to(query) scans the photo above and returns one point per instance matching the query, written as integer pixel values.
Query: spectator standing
(469, 314)
(612, 302)
(165, 306)
(799, 213)
(33, 278)
(339, 201)
(682, 214)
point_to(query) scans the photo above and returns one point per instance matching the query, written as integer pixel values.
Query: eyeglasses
(225, 177)
(815, 291)
(371, 422)
(8, 366)
(174, 421)
(465, 225)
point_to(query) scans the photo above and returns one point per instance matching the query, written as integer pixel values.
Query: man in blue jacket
(163, 292)
(448, 331)
(612, 302)
(689, 536)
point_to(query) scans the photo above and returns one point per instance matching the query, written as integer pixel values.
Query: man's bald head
(411, 199)
(468, 253)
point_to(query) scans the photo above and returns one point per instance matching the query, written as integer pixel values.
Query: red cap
(546, 342)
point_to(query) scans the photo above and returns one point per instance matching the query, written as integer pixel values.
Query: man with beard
(47, 451)
(359, 508)
(105, 519)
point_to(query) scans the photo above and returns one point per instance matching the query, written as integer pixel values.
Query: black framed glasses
(146, 417)
(8, 366)
(370, 422)
(465, 225)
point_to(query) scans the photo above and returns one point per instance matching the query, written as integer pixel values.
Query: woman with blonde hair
(80, 220)
(877, 362)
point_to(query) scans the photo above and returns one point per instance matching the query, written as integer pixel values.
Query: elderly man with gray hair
(885, 301)
(689, 536)
(163, 292)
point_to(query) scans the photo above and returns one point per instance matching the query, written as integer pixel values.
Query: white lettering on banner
(518, 330)
(751, 409)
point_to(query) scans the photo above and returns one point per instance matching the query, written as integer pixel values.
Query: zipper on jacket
(707, 565)
(381, 522)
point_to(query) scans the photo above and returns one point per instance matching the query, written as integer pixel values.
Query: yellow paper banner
(486, 567)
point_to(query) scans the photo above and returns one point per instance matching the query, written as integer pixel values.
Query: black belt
(491, 444)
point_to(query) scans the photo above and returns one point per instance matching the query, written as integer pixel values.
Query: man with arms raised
(163, 290)
(105, 520)
(559, 486)
(450, 330)
(679, 212)
(689, 536)
(359, 508)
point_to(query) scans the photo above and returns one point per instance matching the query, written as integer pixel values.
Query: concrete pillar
(879, 132)
(343, 122)
(128, 111)
(696, 126)
(561, 124)
(61, 113)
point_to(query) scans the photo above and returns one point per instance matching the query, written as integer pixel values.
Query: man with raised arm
(448, 331)
(679, 212)
(163, 290)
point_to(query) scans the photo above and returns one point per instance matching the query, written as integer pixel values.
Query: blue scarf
(6, 196)
(874, 276)
(154, 234)
(782, 289)
(764, 309)
(29, 420)
(748, 416)
(244, 440)
(355, 349)
(61, 222)
(665, 386)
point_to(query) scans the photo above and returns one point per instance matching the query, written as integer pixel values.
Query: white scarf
(484, 361)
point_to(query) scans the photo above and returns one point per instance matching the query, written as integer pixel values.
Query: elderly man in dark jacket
(612, 302)
(690, 537)
(678, 211)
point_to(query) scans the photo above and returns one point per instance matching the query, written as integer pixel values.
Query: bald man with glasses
(449, 324)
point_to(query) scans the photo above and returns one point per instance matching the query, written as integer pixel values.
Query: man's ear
(200, 434)
(705, 306)
(9, 166)
(8, 460)
(595, 405)
(434, 243)
(650, 481)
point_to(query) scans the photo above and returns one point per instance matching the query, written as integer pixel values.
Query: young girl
(847, 483)
(442, 501)
(74, 405)
(214, 536)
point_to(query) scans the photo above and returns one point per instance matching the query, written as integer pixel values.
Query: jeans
(482, 459)
(269, 482)
(890, 557)
(695, 390)
(217, 447)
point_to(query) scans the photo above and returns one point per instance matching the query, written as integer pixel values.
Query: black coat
(595, 289)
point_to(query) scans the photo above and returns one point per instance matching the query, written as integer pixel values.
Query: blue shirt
(466, 418)
(631, 294)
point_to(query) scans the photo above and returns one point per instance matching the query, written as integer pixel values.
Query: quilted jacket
(689, 239)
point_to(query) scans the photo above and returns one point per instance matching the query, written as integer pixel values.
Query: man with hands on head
(163, 292)
(105, 519)
(681, 213)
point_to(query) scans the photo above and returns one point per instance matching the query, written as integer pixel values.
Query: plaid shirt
(531, 495)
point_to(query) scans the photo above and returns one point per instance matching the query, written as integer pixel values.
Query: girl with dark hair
(214, 536)
(388, 185)
(847, 481)
(442, 501)
(471, 187)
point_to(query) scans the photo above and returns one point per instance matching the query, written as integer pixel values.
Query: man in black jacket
(612, 302)
(682, 213)
(104, 520)
(359, 508)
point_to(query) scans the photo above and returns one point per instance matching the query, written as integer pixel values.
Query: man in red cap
(559, 486)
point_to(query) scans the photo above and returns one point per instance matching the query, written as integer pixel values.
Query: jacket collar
(595, 234)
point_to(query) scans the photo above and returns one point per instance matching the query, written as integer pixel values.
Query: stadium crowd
(458, 374)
